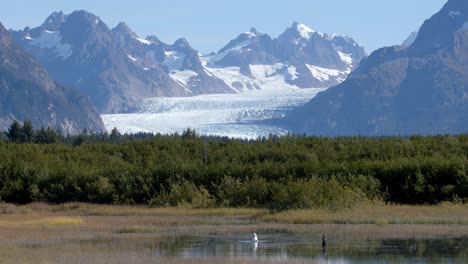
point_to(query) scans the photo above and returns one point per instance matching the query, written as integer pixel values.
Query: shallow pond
(283, 246)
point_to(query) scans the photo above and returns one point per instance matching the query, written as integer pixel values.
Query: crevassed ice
(235, 115)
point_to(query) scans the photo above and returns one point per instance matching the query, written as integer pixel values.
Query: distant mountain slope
(27, 92)
(420, 89)
(80, 50)
(117, 69)
(180, 61)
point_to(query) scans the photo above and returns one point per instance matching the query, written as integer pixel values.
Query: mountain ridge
(118, 69)
(419, 89)
(28, 93)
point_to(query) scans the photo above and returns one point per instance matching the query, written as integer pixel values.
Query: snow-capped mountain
(118, 69)
(26, 91)
(80, 50)
(421, 88)
(300, 57)
(179, 60)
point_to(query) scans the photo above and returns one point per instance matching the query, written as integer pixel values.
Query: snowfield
(242, 115)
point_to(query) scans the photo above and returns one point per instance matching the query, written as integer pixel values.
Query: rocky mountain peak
(398, 90)
(27, 92)
(438, 31)
(154, 39)
(4, 36)
(298, 31)
(253, 31)
(183, 44)
(54, 21)
(123, 32)
(123, 29)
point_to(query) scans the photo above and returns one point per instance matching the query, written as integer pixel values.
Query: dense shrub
(276, 172)
(184, 193)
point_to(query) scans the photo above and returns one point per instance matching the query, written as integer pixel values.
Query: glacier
(242, 115)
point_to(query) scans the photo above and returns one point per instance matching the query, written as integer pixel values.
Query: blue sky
(210, 24)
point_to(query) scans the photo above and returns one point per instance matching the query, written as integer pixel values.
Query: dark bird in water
(324, 243)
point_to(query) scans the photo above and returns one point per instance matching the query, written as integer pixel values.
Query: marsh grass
(41, 221)
(137, 229)
(111, 210)
(88, 233)
(378, 214)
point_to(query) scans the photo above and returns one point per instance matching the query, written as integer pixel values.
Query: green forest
(278, 173)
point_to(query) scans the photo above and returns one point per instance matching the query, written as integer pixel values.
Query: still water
(282, 246)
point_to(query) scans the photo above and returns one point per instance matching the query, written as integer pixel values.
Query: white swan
(254, 238)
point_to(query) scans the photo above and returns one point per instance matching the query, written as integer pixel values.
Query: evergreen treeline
(276, 172)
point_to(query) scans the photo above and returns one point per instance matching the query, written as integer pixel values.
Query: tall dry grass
(378, 214)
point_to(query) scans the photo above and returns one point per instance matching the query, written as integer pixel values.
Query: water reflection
(255, 246)
(279, 246)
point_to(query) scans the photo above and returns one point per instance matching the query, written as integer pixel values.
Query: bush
(251, 192)
(184, 193)
(316, 193)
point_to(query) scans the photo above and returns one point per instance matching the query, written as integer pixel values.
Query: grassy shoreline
(89, 233)
(377, 213)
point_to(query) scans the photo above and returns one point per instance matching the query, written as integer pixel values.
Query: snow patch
(132, 58)
(211, 60)
(232, 75)
(144, 41)
(250, 34)
(52, 40)
(271, 77)
(293, 72)
(454, 14)
(183, 77)
(346, 58)
(304, 31)
(323, 74)
(174, 60)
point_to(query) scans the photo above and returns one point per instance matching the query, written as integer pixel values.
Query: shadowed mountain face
(27, 92)
(419, 89)
(117, 69)
(80, 50)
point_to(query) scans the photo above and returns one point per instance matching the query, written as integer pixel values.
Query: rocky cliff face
(417, 89)
(26, 91)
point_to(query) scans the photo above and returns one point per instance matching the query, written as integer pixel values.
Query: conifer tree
(27, 132)
(14, 132)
